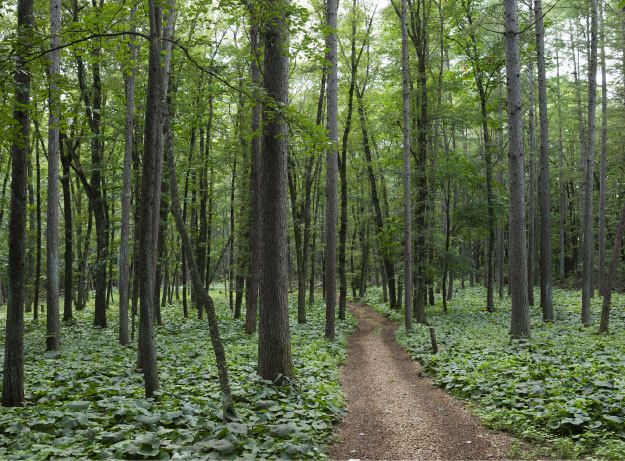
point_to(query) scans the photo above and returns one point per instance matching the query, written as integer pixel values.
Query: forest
(373, 229)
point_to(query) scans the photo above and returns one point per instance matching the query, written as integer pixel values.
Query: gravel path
(395, 414)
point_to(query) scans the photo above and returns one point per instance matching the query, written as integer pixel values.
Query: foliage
(565, 386)
(88, 400)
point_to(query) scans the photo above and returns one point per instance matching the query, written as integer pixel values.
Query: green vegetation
(565, 387)
(87, 401)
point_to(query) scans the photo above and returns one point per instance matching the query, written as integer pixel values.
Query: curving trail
(394, 413)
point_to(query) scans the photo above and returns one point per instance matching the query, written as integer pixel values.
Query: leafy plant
(87, 400)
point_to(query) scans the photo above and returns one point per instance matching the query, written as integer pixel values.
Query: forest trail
(394, 413)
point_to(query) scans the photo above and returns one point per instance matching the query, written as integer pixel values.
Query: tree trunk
(68, 288)
(124, 275)
(546, 298)
(251, 304)
(405, 73)
(150, 202)
(274, 337)
(562, 261)
(331, 169)
(602, 170)
(607, 295)
(520, 320)
(588, 269)
(13, 371)
(532, 185)
(204, 298)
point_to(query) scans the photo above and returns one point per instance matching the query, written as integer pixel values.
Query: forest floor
(393, 413)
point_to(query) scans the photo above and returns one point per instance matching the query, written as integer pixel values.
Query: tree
(520, 321)
(406, 178)
(53, 325)
(588, 269)
(13, 371)
(150, 201)
(546, 302)
(331, 170)
(274, 337)
(129, 79)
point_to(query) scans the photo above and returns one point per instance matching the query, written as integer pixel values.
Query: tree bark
(251, 304)
(13, 371)
(405, 73)
(150, 202)
(546, 297)
(520, 320)
(588, 269)
(602, 168)
(68, 288)
(562, 260)
(274, 337)
(331, 170)
(531, 237)
(124, 275)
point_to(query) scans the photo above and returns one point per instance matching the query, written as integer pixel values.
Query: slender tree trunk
(274, 338)
(387, 262)
(607, 295)
(562, 261)
(204, 298)
(124, 275)
(587, 276)
(68, 289)
(405, 68)
(13, 371)
(546, 298)
(602, 170)
(520, 320)
(251, 304)
(532, 185)
(331, 169)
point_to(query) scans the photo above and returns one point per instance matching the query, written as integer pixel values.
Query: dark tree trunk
(149, 207)
(13, 371)
(274, 338)
(68, 289)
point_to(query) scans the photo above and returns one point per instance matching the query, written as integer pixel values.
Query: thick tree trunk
(588, 269)
(13, 371)
(546, 298)
(520, 320)
(274, 337)
(149, 207)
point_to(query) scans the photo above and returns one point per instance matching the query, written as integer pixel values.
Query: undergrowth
(564, 388)
(87, 401)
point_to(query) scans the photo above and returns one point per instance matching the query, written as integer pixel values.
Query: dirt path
(395, 414)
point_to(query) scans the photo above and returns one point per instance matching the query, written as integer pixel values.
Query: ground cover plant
(563, 388)
(87, 401)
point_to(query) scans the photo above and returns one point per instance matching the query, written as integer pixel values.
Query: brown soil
(395, 414)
